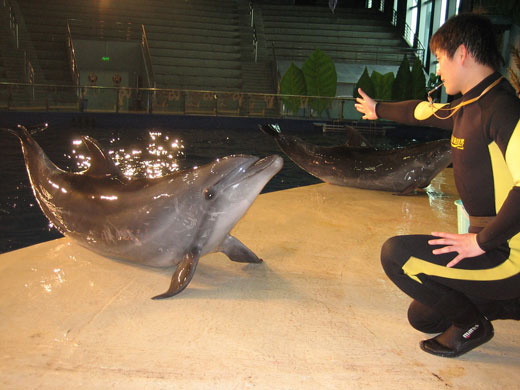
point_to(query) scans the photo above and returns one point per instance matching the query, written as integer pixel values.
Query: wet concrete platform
(319, 313)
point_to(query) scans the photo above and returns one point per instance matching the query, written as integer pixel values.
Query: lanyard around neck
(465, 103)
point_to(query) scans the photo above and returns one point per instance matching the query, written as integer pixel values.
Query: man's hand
(366, 105)
(464, 244)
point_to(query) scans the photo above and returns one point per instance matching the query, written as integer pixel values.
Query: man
(459, 282)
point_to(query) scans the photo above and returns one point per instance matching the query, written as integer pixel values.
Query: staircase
(197, 46)
(204, 45)
(354, 35)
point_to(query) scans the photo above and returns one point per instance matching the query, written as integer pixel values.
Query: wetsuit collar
(477, 89)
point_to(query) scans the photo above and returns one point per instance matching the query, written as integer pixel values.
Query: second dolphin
(401, 170)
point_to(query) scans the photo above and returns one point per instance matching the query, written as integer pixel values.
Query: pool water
(138, 151)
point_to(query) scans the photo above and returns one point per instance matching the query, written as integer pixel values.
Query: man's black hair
(476, 32)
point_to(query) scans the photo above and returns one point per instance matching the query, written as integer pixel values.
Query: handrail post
(9, 96)
(255, 43)
(150, 102)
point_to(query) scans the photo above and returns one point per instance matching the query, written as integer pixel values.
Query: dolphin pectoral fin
(182, 275)
(238, 252)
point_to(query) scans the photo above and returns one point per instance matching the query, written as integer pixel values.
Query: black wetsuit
(486, 164)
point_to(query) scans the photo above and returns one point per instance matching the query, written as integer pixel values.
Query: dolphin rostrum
(168, 221)
(401, 170)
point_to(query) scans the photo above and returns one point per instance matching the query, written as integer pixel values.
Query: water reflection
(50, 283)
(158, 156)
(441, 194)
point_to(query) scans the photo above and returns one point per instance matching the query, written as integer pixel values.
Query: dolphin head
(233, 183)
(237, 180)
(439, 156)
(434, 157)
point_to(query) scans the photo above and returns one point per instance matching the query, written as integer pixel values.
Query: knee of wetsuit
(426, 320)
(390, 253)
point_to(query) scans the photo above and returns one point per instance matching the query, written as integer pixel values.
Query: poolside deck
(319, 313)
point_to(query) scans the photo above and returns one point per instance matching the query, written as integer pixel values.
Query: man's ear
(461, 53)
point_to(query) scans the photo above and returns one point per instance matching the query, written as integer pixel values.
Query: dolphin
(169, 221)
(401, 170)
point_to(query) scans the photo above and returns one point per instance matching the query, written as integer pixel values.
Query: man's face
(448, 69)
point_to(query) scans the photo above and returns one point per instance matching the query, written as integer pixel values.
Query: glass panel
(46, 98)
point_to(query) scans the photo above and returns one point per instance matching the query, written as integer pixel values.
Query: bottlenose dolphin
(168, 221)
(401, 170)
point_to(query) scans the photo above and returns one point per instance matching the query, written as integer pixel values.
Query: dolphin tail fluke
(271, 129)
(238, 252)
(37, 128)
(19, 130)
(182, 275)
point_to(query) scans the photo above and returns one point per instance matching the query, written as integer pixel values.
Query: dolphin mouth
(263, 164)
(264, 168)
(256, 166)
(249, 169)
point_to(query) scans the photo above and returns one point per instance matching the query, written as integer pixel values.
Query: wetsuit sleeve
(504, 125)
(415, 113)
(505, 225)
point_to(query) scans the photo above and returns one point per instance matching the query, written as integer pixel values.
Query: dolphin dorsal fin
(355, 138)
(100, 163)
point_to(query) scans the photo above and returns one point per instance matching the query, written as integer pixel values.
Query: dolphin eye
(208, 194)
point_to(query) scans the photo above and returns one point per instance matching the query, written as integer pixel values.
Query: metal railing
(381, 55)
(103, 30)
(14, 27)
(411, 38)
(57, 98)
(13, 24)
(29, 75)
(74, 69)
(253, 27)
(147, 58)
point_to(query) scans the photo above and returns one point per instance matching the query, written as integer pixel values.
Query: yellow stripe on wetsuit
(415, 266)
(506, 174)
(424, 110)
(512, 155)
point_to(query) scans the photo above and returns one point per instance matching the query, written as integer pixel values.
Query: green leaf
(321, 79)
(418, 80)
(382, 85)
(292, 83)
(366, 84)
(401, 89)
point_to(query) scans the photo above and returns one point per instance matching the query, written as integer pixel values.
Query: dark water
(21, 221)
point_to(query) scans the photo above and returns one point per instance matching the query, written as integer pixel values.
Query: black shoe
(456, 341)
